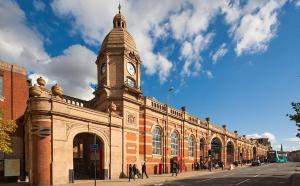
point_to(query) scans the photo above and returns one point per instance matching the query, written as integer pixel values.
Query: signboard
(12, 167)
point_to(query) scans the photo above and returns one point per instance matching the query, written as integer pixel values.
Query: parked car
(256, 163)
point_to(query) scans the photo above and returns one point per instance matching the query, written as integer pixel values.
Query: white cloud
(209, 74)
(269, 135)
(38, 5)
(219, 53)
(297, 3)
(252, 26)
(293, 139)
(257, 25)
(19, 44)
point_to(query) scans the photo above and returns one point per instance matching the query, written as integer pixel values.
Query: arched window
(156, 141)
(174, 144)
(191, 146)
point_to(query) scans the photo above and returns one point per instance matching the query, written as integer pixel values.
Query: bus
(277, 157)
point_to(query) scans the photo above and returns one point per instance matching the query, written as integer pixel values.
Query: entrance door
(85, 158)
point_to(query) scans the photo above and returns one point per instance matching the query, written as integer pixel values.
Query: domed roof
(118, 37)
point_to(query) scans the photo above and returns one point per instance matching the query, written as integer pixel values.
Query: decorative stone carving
(57, 90)
(35, 91)
(41, 81)
(131, 119)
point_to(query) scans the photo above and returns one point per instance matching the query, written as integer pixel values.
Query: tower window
(122, 25)
(130, 82)
(119, 23)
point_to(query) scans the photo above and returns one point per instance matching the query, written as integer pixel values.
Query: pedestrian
(134, 170)
(210, 165)
(174, 168)
(222, 165)
(130, 172)
(144, 170)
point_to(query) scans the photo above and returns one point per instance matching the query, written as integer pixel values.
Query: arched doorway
(254, 153)
(84, 156)
(202, 149)
(216, 150)
(230, 153)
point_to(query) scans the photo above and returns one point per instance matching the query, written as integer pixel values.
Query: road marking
(242, 182)
(256, 175)
(207, 179)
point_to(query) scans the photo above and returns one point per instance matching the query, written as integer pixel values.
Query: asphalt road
(270, 174)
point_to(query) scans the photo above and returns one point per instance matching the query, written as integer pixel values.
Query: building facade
(13, 98)
(68, 137)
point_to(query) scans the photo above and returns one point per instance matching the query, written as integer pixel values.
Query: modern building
(13, 102)
(67, 137)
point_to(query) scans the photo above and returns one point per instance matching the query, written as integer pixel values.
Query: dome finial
(119, 7)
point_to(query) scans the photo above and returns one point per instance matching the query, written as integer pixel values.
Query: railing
(75, 101)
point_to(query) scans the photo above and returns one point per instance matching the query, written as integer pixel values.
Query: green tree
(7, 127)
(296, 116)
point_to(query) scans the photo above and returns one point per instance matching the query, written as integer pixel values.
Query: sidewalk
(153, 179)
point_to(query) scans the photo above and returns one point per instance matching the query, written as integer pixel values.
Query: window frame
(156, 141)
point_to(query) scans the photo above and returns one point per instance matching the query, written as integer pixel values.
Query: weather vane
(119, 7)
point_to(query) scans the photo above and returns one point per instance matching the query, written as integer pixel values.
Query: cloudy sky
(234, 61)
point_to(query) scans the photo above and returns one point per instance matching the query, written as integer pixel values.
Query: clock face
(130, 69)
(103, 68)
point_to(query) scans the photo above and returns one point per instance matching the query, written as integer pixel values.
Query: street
(269, 174)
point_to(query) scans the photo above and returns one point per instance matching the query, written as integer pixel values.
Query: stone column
(41, 152)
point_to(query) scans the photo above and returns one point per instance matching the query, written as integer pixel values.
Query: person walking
(210, 165)
(144, 171)
(134, 170)
(174, 168)
(130, 172)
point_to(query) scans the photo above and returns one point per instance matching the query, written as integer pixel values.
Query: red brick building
(13, 101)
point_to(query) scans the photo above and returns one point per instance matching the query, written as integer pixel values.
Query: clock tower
(118, 69)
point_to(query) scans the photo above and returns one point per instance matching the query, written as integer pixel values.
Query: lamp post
(170, 90)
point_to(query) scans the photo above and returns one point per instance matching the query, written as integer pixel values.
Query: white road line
(256, 175)
(242, 182)
(207, 179)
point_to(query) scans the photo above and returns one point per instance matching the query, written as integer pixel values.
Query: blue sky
(234, 61)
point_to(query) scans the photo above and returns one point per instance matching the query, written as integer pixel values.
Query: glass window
(130, 82)
(174, 144)
(156, 141)
(191, 146)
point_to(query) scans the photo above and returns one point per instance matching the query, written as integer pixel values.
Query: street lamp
(170, 90)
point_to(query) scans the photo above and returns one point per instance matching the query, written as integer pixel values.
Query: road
(270, 174)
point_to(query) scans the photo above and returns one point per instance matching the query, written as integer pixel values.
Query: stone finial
(57, 90)
(183, 108)
(207, 119)
(41, 81)
(35, 91)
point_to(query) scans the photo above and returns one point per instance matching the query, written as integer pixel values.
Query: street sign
(94, 147)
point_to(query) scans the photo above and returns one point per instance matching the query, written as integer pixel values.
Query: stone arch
(229, 152)
(216, 149)
(156, 125)
(202, 147)
(100, 133)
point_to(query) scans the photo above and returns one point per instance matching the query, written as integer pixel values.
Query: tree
(7, 127)
(296, 117)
